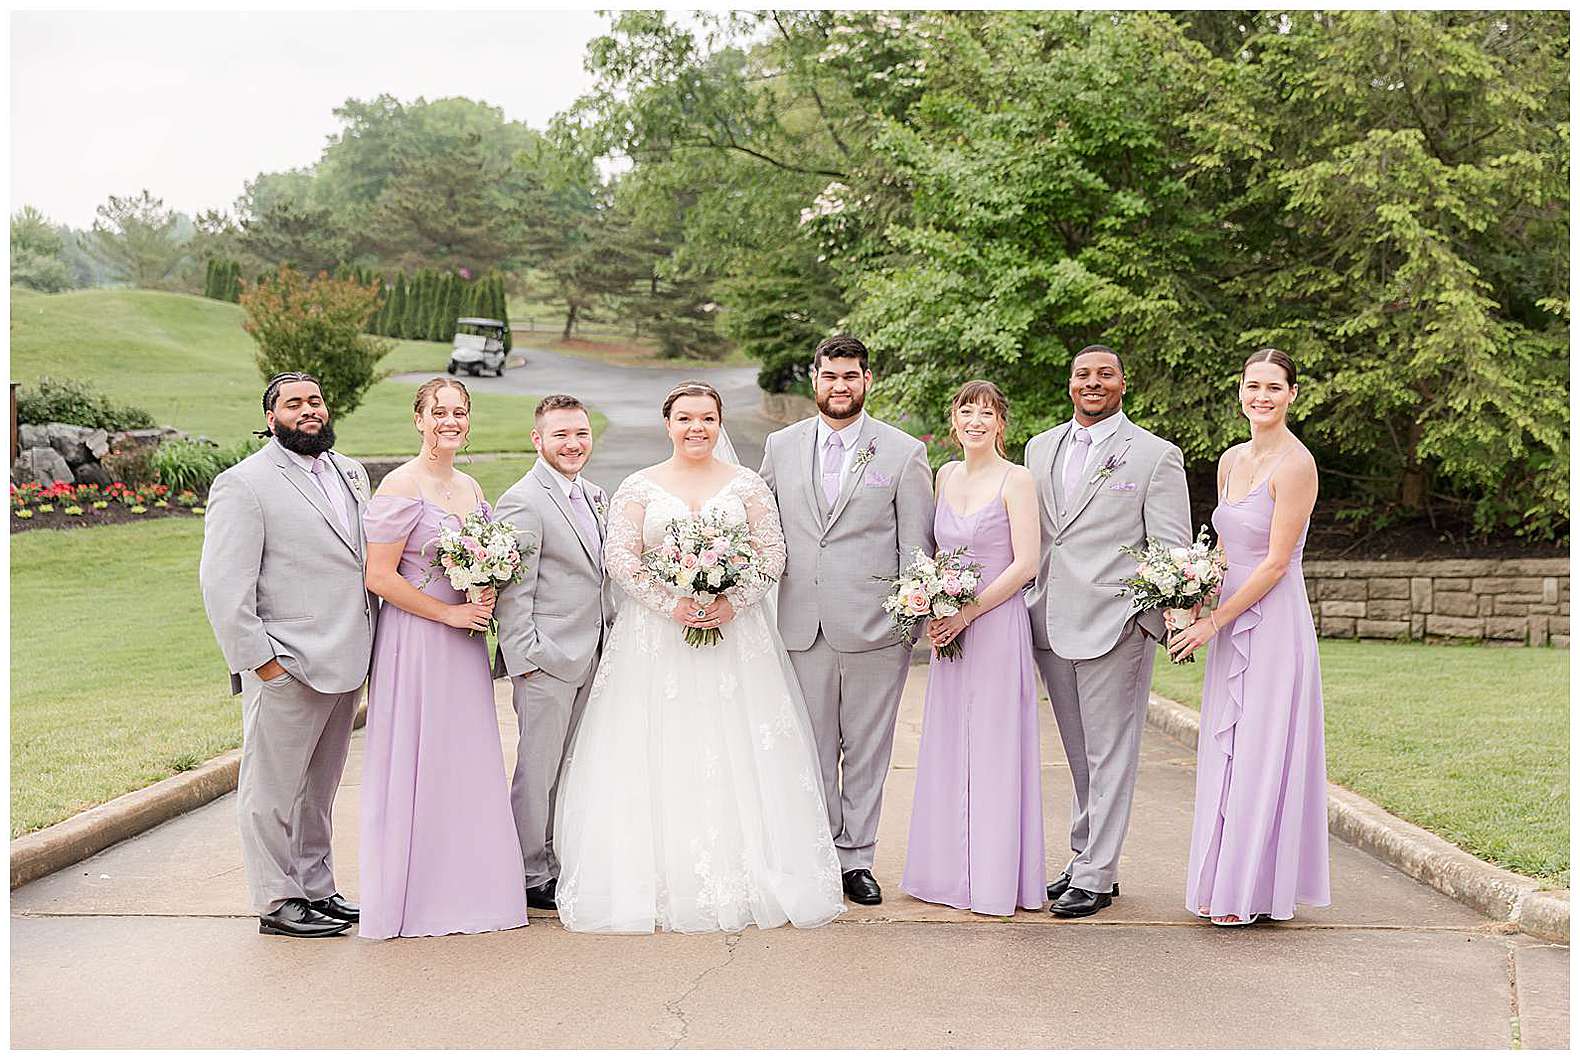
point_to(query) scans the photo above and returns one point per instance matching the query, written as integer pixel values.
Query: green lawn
(187, 361)
(1469, 742)
(116, 680)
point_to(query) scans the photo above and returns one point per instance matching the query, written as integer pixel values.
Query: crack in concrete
(1514, 999)
(676, 1009)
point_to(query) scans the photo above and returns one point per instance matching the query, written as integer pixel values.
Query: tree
(316, 325)
(136, 238)
(37, 249)
(444, 210)
(305, 237)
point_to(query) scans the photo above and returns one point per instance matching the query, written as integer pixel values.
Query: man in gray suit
(282, 577)
(1103, 482)
(551, 623)
(856, 500)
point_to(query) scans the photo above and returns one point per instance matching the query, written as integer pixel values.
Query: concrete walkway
(150, 944)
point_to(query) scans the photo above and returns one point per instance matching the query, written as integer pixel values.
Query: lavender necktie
(833, 468)
(1075, 466)
(583, 513)
(336, 499)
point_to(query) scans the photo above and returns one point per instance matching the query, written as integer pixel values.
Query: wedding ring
(701, 612)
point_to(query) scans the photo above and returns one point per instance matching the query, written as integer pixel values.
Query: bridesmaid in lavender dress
(1259, 844)
(976, 827)
(438, 849)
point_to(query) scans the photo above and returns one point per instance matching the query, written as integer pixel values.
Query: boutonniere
(865, 454)
(601, 509)
(1114, 462)
(358, 486)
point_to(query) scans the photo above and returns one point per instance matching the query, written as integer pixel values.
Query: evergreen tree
(411, 321)
(395, 322)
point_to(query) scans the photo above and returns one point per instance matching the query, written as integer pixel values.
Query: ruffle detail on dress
(1240, 643)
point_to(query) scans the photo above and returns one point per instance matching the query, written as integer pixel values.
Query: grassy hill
(187, 361)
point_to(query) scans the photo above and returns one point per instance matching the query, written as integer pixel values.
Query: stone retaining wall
(1502, 601)
(788, 408)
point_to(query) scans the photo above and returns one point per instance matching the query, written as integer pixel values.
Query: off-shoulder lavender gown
(438, 847)
(976, 827)
(1259, 843)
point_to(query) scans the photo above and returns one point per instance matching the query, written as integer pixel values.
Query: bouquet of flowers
(475, 554)
(702, 556)
(1175, 579)
(933, 587)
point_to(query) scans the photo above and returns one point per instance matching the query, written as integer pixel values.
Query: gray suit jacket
(1078, 603)
(834, 559)
(280, 577)
(553, 619)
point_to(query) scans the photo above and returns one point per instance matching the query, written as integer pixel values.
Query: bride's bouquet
(935, 587)
(475, 555)
(701, 556)
(1175, 579)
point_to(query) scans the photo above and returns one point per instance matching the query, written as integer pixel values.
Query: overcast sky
(190, 105)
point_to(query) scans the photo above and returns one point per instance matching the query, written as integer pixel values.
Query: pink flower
(952, 585)
(917, 603)
(688, 561)
(709, 558)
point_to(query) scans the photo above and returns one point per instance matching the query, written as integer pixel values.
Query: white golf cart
(479, 346)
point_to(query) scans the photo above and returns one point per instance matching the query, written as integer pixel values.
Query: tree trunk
(1412, 487)
(570, 321)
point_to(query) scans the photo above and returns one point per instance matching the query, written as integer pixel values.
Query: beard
(305, 443)
(857, 403)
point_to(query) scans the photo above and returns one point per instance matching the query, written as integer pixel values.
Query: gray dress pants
(294, 741)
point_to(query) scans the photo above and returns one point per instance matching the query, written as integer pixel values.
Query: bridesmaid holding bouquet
(976, 828)
(1259, 844)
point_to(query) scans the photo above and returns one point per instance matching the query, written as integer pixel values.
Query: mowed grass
(187, 361)
(116, 680)
(1470, 742)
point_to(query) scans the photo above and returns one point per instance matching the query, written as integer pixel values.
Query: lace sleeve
(622, 556)
(767, 537)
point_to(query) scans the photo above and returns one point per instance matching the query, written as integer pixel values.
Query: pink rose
(952, 585)
(709, 558)
(917, 603)
(688, 561)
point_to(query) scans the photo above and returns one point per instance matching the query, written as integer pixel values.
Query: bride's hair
(693, 388)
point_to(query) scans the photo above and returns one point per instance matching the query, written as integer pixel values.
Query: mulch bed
(115, 513)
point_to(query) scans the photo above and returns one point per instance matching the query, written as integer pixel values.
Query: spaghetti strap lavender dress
(976, 827)
(439, 854)
(1259, 842)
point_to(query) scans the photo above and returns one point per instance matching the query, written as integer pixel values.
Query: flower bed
(63, 505)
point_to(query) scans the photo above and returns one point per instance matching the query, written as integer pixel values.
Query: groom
(1103, 482)
(551, 623)
(856, 500)
(282, 577)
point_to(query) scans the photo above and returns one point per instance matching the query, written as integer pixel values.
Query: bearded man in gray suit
(855, 498)
(1103, 482)
(282, 577)
(551, 623)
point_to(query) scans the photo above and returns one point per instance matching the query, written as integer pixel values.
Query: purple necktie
(332, 494)
(584, 514)
(1075, 466)
(833, 467)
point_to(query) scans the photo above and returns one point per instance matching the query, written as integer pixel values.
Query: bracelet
(1213, 618)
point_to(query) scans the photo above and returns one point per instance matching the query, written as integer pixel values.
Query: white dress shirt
(848, 437)
(1100, 431)
(566, 484)
(328, 482)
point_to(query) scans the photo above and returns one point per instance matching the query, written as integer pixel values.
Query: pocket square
(877, 478)
(1122, 487)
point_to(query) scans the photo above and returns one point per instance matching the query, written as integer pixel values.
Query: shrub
(70, 401)
(192, 464)
(303, 325)
(134, 466)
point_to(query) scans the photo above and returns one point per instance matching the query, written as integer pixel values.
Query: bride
(690, 799)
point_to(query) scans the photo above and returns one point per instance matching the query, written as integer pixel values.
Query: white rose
(968, 581)
(1179, 555)
(943, 608)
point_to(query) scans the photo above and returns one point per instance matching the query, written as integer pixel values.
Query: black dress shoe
(1062, 884)
(297, 919)
(336, 908)
(861, 888)
(542, 896)
(1075, 902)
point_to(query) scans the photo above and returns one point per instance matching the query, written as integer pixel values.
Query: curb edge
(83, 835)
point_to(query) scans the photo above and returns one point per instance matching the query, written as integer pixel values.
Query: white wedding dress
(690, 798)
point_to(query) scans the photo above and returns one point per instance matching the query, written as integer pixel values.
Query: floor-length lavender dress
(438, 849)
(976, 826)
(1259, 843)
